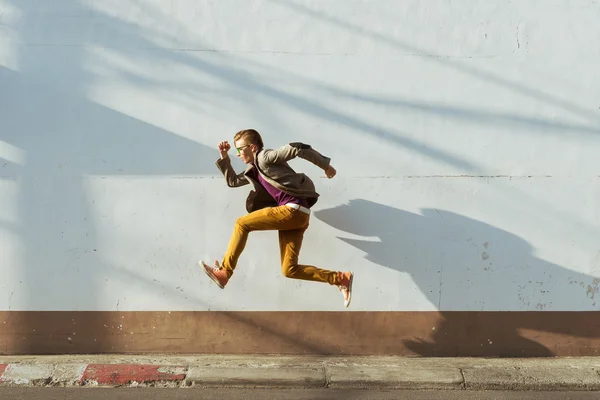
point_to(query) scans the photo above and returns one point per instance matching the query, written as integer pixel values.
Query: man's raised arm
(224, 165)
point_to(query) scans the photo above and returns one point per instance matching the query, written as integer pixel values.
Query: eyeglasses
(239, 149)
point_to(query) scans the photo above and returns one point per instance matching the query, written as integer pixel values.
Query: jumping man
(281, 201)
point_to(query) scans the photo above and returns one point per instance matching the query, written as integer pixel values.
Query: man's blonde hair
(251, 136)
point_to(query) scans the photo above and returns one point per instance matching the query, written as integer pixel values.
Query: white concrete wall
(466, 137)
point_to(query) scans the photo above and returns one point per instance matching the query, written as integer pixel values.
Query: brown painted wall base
(447, 334)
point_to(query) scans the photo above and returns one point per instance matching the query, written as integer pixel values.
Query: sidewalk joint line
(463, 384)
(327, 377)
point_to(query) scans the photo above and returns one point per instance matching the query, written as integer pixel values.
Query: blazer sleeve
(293, 150)
(232, 179)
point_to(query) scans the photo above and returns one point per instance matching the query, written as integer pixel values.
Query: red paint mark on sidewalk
(2, 369)
(122, 374)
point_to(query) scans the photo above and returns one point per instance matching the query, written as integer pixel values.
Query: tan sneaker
(216, 273)
(346, 286)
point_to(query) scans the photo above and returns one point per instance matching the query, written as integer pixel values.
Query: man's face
(245, 151)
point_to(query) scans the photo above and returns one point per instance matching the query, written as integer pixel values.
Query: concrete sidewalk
(581, 373)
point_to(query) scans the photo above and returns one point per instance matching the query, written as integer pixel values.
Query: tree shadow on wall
(66, 138)
(463, 264)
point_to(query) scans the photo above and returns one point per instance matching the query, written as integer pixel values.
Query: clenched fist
(330, 172)
(223, 149)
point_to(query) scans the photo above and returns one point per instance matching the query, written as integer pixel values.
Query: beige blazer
(273, 167)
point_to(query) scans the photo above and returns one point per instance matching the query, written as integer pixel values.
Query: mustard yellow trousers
(291, 224)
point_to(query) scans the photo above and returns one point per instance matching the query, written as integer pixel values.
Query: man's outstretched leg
(290, 243)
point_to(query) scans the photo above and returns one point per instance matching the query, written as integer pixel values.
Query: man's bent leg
(290, 243)
(271, 218)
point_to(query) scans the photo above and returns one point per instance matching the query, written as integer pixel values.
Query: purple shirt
(280, 197)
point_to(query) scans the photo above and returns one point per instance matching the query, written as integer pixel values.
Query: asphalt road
(270, 394)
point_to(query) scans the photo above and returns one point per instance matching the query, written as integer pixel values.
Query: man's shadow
(476, 275)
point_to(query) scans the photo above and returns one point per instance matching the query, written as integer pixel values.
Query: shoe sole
(350, 289)
(206, 267)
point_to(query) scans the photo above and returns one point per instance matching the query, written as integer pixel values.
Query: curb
(64, 375)
(393, 373)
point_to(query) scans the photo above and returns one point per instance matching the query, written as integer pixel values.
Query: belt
(298, 207)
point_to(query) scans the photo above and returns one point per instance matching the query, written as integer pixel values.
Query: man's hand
(330, 172)
(223, 149)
